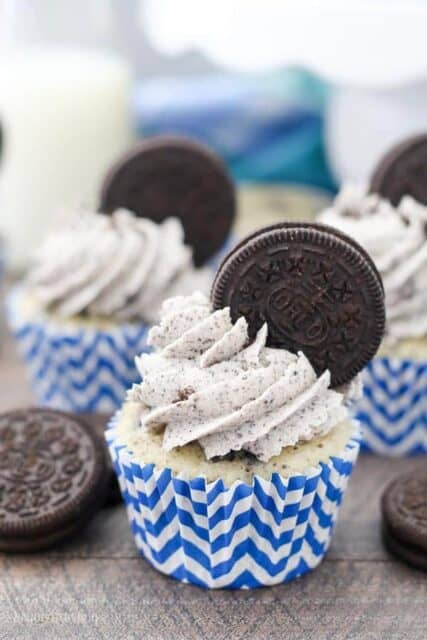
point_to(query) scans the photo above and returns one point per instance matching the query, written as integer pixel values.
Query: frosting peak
(119, 265)
(396, 240)
(205, 382)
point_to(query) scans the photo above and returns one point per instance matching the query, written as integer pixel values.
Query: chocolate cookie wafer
(317, 290)
(404, 510)
(169, 176)
(52, 478)
(403, 171)
(410, 554)
(313, 225)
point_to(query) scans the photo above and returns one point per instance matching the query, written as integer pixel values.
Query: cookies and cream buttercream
(205, 382)
(118, 266)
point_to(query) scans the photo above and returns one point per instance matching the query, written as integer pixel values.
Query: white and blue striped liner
(393, 410)
(81, 369)
(237, 537)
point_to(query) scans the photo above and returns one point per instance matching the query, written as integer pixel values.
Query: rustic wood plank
(45, 598)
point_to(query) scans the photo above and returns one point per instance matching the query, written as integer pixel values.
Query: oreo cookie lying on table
(169, 176)
(402, 171)
(317, 289)
(53, 478)
(404, 510)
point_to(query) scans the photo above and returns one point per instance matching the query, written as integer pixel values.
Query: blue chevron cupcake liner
(239, 537)
(393, 410)
(75, 368)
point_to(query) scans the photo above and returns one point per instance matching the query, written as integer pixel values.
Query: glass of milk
(64, 114)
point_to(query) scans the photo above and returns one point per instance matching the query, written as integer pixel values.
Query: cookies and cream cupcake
(234, 451)
(394, 407)
(83, 311)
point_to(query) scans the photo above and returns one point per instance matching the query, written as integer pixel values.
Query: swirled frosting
(204, 382)
(118, 266)
(396, 240)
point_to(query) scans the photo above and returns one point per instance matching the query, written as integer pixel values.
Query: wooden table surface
(98, 587)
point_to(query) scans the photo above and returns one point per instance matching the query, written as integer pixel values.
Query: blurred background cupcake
(98, 280)
(391, 224)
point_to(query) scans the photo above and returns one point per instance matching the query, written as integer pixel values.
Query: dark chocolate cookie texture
(52, 477)
(317, 292)
(403, 171)
(173, 176)
(404, 506)
(404, 511)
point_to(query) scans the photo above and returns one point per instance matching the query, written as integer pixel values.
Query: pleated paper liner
(243, 536)
(393, 410)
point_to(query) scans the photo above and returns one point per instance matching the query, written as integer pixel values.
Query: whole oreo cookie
(317, 290)
(404, 508)
(174, 176)
(403, 171)
(52, 478)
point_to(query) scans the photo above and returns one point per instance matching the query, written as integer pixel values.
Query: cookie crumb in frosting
(207, 383)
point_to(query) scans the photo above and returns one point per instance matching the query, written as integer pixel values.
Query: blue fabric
(267, 128)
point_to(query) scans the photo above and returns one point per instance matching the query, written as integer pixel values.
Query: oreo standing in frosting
(390, 222)
(238, 436)
(99, 279)
(173, 176)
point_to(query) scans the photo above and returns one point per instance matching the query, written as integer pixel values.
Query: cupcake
(234, 452)
(98, 281)
(393, 410)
